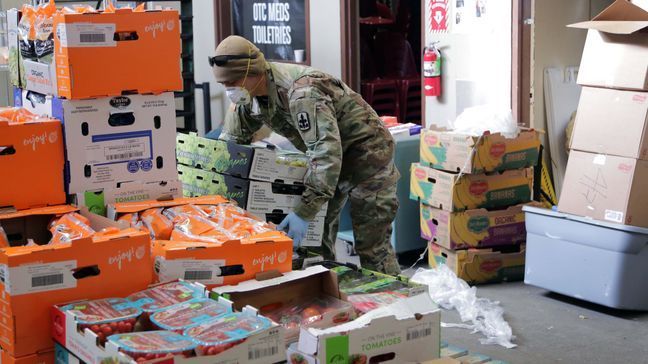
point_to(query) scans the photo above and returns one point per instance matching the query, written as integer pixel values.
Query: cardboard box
(266, 346)
(270, 201)
(452, 192)
(290, 289)
(488, 265)
(37, 277)
(606, 188)
(303, 258)
(197, 182)
(230, 263)
(450, 151)
(32, 161)
(613, 122)
(108, 54)
(478, 228)
(43, 357)
(405, 331)
(96, 201)
(258, 162)
(114, 211)
(616, 49)
(15, 66)
(130, 138)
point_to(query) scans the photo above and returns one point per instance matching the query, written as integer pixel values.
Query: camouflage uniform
(351, 155)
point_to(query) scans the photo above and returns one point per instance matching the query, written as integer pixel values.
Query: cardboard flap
(622, 17)
(49, 210)
(255, 285)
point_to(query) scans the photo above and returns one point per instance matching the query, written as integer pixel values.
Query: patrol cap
(232, 58)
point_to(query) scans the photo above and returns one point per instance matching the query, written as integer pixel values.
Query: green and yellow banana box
(260, 162)
(197, 182)
(456, 152)
(479, 228)
(489, 265)
(454, 192)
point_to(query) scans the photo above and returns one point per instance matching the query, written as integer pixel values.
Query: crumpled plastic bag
(477, 314)
(479, 119)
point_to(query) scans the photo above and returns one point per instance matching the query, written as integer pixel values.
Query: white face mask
(238, 95)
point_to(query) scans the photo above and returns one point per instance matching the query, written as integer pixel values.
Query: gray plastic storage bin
(591, 260)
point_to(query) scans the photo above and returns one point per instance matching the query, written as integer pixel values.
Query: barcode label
(43, 281)
(614, 216)
(258, 353)
(418, 333)
(197, 275)
(128, 155)
(92, 38)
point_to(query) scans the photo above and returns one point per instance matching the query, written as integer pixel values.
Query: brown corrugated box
(616, 50)
(613, 122)
(606, 188)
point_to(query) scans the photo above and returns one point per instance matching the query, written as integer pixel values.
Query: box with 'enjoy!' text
(112, 139)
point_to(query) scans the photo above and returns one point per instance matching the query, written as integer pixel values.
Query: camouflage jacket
(342, 135)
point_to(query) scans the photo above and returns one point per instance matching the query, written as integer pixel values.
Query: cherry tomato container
(182, 316)
(105, 317)
(215, 336)
(149, 345)
(165, 295)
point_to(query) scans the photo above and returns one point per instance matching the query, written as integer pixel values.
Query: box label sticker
(265, 349)
(121, 148)
(614, 216)
(599, 159)
(83, 35)
(204, 271)
(419, 332)
(35, 278)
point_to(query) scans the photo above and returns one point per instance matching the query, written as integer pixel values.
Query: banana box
(489, 265)
(454, 192)
(452, 151)
(478, 228)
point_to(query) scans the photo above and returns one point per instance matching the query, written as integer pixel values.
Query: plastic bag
(484, 315)
(485, 118)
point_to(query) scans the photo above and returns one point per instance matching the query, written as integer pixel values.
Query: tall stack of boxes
(109, 77)
(471, 190)
(264, 181)
(607, 170)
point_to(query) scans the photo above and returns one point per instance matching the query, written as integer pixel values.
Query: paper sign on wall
(439, 13)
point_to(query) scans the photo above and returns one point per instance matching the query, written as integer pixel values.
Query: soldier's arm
(314, 116)
(239, 125)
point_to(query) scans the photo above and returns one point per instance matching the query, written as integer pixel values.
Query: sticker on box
(34, 278)
(204, 271)
(76, 35)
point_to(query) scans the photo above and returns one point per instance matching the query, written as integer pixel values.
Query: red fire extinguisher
(431, 70)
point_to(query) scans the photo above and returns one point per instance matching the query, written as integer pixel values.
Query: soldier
(350, 150)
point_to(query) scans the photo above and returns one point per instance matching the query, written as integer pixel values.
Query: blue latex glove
(296, 228)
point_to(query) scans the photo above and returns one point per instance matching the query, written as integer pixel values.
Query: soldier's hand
(295, 226)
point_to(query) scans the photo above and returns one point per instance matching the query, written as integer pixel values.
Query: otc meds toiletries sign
(278, 27)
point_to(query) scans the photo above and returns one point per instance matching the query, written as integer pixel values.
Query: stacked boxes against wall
(471, 191)
(109, 77)
(607, 170)
(262, 179)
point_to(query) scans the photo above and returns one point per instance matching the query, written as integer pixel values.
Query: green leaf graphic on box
(440, 154)
(95, 202)
(478, 224)
(337, 350)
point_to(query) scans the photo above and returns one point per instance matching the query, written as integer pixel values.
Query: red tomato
(310, 312)
(128, 327)
(95, 328)
(106, 330)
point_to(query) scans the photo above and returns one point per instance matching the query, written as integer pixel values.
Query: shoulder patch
(303, 121)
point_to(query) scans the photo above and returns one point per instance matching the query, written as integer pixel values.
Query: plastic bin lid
(585, 220)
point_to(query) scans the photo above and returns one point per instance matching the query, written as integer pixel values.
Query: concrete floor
(551, 328)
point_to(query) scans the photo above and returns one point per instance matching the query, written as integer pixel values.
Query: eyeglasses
(222, 60)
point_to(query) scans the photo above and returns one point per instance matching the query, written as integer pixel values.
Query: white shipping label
(120, 148)
(263, 350)
(77, 35)
(32, 278)
(614, 216)
(419, 332)
(204, 271)
(599, 159)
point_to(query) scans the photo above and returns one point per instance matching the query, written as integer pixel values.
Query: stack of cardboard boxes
(262, 180)
(471, 191)
(607, 170)
(108, 77)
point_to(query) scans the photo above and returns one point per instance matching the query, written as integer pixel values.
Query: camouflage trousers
(373, 209)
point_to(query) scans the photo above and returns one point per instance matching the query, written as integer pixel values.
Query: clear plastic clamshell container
(149, 345)
(185, 315)
(214, 337)
(166, 295)
(105, 317)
